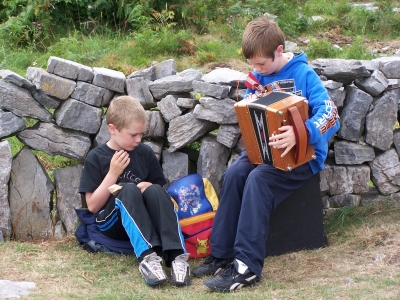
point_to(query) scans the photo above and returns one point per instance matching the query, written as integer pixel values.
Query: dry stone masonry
(184, 109)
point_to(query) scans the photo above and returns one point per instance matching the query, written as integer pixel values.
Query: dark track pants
(249, 194)
(148, 220)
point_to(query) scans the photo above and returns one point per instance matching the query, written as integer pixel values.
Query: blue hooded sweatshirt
(297, 77)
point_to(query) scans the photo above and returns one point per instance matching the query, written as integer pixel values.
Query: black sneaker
(232, 278)
(211, 266)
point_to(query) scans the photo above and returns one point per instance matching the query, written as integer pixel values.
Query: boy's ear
(279, 50)
(112, 128)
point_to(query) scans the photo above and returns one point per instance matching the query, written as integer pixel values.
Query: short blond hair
(125, 110)
(261, 38)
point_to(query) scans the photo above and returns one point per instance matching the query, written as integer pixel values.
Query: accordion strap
(253, 84)
(300, 132)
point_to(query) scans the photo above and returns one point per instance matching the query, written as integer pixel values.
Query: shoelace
(154, 263)
(180, 265)
(209, 260)
(229, 271)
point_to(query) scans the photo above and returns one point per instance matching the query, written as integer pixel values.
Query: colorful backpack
(196, 202)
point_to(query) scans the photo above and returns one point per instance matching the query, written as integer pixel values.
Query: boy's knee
(257, 176)
(155, 192)
(238, 170)
(129, 190)
(253, 174)
(153, 189)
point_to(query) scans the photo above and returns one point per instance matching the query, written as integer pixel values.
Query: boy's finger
(125, 161)
(284, 128)
(123, 155)
(284, 152)
(117, 154)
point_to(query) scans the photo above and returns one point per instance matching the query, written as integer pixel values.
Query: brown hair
(125, 110)
(262, 37)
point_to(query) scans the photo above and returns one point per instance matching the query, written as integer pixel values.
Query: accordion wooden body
(260, 119)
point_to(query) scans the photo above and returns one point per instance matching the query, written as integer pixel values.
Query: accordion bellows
(260, 119)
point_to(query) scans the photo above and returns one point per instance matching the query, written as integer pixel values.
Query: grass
(138, 49)
(361, 262)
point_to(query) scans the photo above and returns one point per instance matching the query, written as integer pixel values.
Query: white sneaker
(180, 270)
(151, 270)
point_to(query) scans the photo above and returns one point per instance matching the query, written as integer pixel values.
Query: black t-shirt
(143, 166)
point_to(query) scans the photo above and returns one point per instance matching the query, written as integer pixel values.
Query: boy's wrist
(112, 177)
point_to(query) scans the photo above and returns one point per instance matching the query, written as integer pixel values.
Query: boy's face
(127, 138)
(266, 65)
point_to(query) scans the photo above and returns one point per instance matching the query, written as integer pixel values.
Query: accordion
(260, 119)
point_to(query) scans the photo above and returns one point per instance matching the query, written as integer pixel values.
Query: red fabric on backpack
(197, 231)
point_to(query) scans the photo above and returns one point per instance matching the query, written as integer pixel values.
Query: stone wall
(183, 108)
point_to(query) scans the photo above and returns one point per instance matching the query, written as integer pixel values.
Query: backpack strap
(210, 193)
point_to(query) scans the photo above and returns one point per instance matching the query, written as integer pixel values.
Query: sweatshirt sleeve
(249, 92)
(324, 119)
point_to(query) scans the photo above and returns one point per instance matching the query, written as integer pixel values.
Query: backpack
(93, 240)
(195, 203)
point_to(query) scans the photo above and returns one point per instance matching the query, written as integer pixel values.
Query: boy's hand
(251, 98)
(286, 139)
(119, 162)
(143, 185)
